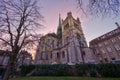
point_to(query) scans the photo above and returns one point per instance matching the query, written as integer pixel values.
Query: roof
(106, 36)
(50, 35)
(2, 52)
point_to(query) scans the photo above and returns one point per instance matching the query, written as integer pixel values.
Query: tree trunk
(10, 70)
(12, 65)
(13, 62)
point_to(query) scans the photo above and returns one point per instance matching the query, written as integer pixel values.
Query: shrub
(25, 69)
(109, 70)
(51, 70)
(105, 70)
(81, 69)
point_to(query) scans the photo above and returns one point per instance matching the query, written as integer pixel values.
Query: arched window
(79, 41)
(58, 55)
(46, 56)
(67, 39)
(83, 53)
(66, 26)
(78, 37)
(52, 43)
(51, 55)
(106, 60)
(63, 54)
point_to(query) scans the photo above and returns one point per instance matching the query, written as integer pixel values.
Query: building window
(109, 49)
(106, 42)
(117, 47)
(1, 60)
(76, 25)
(112, 58)
(113, 40)
(109, 34)
(103, 51)
(58, 55)
(97, 52)
(83, 53)
(116, 31)
(99, 45)
(79, 39)
(5, 61)
(66, 26)
(48, 40)
(52, 43)
(51, 55)
(101, 61)
(103, 37)
(63, 54)
(67, 39)
(46, 56)
(119, 37)
(43, 56)
(106, 60)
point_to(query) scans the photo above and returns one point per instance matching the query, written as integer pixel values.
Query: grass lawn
(63, 78)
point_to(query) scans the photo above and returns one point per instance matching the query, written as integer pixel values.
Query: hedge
(25, 69)
(52, 70)
(104, 70)
(108, 70)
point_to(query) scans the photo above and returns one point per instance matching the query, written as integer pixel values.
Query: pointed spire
(59, 29)
(60, 23)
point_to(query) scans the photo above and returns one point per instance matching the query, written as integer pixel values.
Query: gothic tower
(72, 34)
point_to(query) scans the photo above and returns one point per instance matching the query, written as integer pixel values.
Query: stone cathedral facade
(67, 46)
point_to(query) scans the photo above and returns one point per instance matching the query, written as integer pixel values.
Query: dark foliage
(52, 70)
(25, 69)
(94, 70)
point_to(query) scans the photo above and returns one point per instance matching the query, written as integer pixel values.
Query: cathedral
(67, 46)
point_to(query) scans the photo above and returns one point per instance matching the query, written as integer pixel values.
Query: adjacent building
(24, 58)
(4, 58)
(4, 63)
(107, 47)
(67, 46)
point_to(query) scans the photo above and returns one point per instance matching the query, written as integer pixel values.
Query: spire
(59, 29)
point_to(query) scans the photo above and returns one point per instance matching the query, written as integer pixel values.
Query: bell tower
(72, 34)
(72, 27)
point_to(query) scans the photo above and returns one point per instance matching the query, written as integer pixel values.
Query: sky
(92, 27)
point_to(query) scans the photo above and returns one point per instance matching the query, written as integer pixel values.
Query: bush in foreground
(104, 70)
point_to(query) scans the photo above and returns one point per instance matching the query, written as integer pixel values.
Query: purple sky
(92, 27)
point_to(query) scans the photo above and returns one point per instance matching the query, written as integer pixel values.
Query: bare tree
(18, 20)
(100, 7)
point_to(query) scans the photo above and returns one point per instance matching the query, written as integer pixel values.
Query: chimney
(117, 25)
